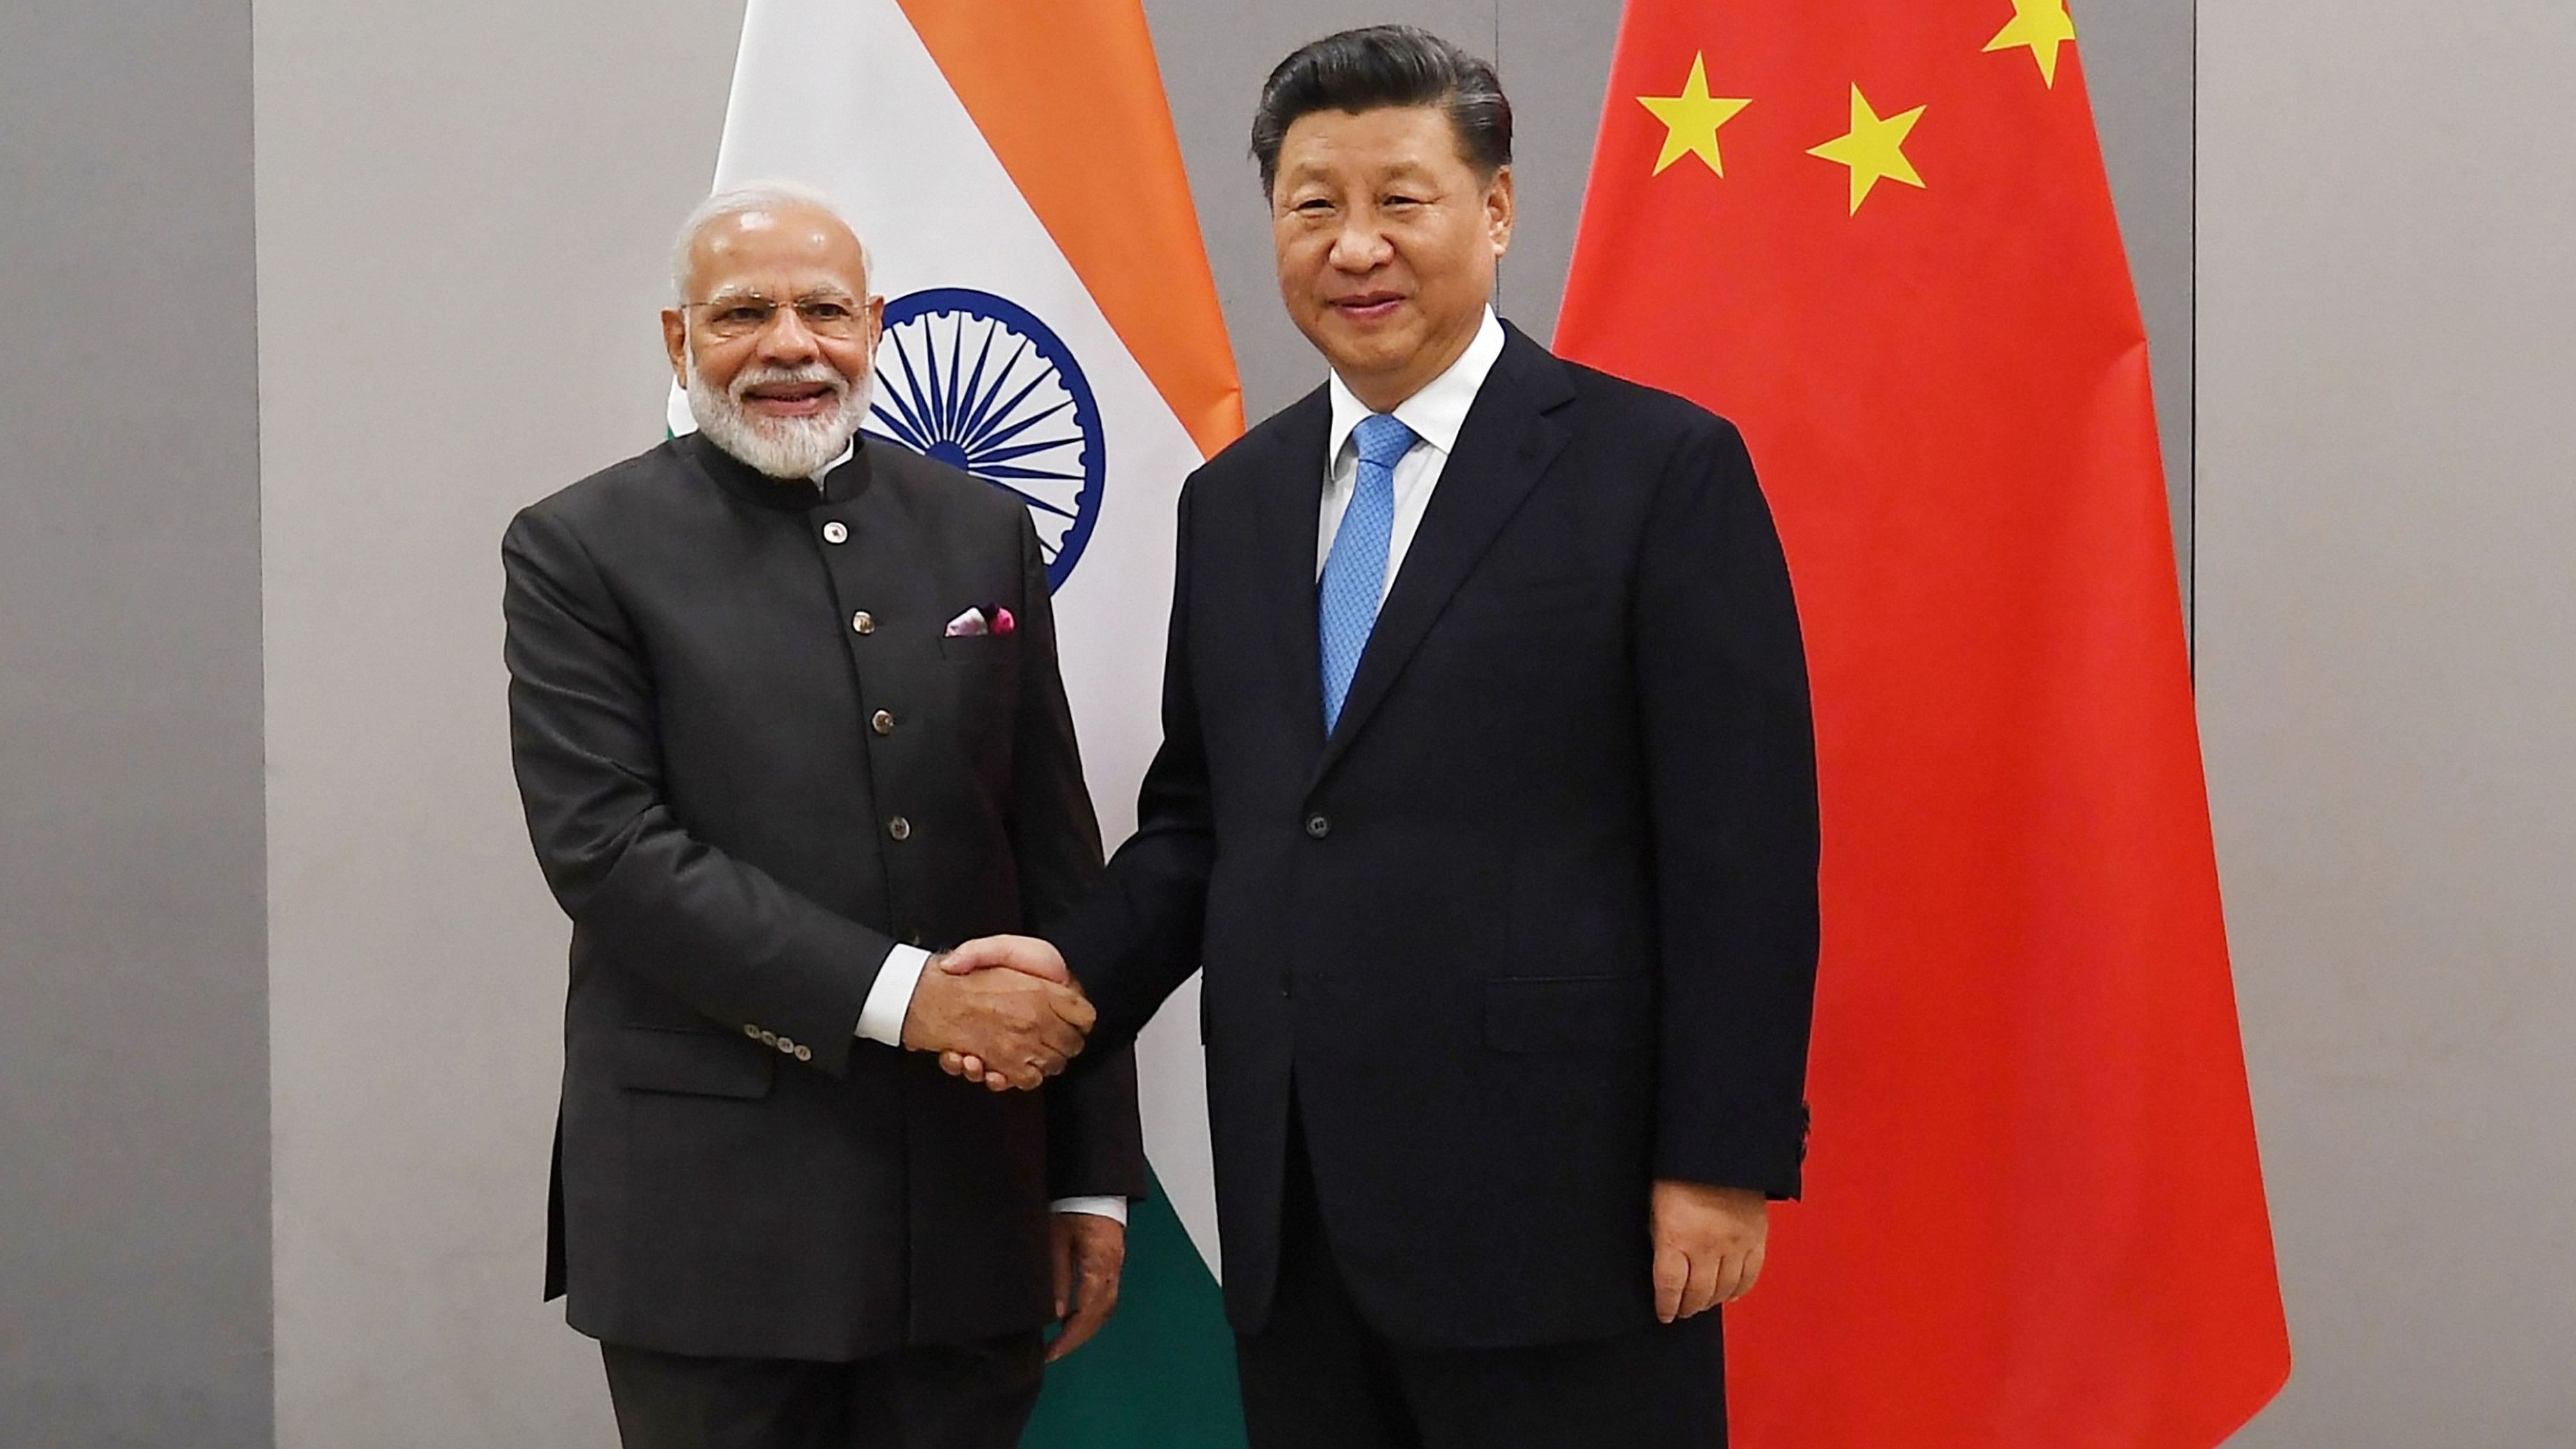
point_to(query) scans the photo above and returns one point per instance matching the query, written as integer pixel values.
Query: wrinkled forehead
(780, 252)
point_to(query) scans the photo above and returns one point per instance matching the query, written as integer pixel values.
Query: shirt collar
(1439, 410)
(825, 471)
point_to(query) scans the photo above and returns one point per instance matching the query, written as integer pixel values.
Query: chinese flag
(1877, 234)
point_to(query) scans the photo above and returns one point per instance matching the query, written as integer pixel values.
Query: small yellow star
(2043, 25)
(1874, 150)
(1691, 119)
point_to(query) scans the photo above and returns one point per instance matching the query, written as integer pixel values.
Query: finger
(1059, 1037)
(981, 954)
(1091, 1312)
(1063, 1253)
(970, 1064)
(1672, 1275)
(1700, 1294)
(955, 1065)
(1076, 1010)
(1753, 1262)
(996, 1082)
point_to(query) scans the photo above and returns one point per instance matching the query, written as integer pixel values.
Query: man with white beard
(786, 718)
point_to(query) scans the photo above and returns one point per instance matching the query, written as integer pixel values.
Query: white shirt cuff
(1113, 1208)
(890, 999)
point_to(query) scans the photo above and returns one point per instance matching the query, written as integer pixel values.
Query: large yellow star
(2043, 25)
(1874, 150)
(1691, 119)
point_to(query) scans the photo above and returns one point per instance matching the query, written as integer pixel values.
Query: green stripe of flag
(1161, 1374)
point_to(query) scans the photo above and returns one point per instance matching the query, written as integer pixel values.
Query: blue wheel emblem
(974, 381)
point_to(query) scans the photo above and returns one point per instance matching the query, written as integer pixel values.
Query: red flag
(1877, 234)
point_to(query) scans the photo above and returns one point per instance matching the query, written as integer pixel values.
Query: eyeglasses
(732, 318)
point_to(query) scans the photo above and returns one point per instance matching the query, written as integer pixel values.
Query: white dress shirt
(1435, 414)
(890, 999)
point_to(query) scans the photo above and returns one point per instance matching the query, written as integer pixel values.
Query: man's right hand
(1000, 956)
(1022, 1024)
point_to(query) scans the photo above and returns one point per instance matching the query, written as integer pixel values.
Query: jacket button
(836, 532)
(899, 828)
(804, 1053)
(751, 1031)
(864, 622)
(1318, 827)
(787, 1045)
(882, 722)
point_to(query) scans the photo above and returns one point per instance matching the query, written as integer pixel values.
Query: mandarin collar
(787, 495)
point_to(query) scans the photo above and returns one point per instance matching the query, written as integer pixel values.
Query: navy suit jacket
(1536, 925)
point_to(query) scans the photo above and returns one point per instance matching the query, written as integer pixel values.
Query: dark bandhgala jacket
(1537, 924)
(751, 764)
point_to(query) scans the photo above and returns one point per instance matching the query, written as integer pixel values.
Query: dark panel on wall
(134, 1226)
(2138, 63)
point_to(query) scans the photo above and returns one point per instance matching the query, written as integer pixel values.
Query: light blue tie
(1355, 570)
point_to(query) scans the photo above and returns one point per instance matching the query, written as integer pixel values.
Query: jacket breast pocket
(694, 1063)
(1568, 1013)
(978, 648)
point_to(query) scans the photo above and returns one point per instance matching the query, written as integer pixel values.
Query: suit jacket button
(751, 1031)
(899, 828)
(787, 1045)
(769, 1037)
(1318, 827)
(804, 1054)
(864, 622)
(882, 722)
(836, 532)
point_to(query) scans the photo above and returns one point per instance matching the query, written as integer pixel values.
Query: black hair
(1386, 65)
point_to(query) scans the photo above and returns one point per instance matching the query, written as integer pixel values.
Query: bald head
(776, 208)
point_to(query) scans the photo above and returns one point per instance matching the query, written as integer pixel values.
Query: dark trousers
(972, 1397)
(1318, 1376)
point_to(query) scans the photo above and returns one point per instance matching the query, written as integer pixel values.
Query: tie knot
(1383, 439)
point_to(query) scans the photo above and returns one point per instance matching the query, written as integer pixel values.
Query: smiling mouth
(799, 399)
(1368, 306)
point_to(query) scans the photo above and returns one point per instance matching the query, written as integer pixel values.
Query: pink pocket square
(974, 625)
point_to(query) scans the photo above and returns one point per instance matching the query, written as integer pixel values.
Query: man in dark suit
(1487, 798)
(785, 711)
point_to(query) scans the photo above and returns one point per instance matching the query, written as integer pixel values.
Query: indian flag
(1052, 328)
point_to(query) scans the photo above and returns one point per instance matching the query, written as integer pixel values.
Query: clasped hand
(1020, 1025)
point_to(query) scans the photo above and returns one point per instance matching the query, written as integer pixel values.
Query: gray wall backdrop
(134, 1265)
(461, 211)
(2388, 690)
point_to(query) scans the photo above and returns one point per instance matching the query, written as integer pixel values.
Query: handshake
(1011, 1027)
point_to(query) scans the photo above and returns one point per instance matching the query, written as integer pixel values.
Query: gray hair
(750, 197)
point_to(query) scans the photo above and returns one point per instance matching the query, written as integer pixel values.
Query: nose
(787, 341)
(1361, 246)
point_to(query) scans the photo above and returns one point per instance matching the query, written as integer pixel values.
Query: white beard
(794, 448)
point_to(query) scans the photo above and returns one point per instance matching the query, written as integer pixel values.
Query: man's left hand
(1709, 1243)
(1090, 1253)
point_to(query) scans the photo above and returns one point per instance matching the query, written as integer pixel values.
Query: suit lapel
(1288, 519)
(1505, 447)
